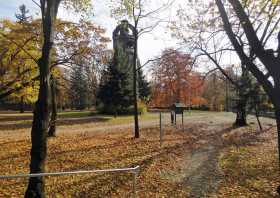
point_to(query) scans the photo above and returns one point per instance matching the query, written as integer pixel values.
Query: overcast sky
(150, 44)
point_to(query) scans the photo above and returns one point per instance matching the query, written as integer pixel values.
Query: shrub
(111, 110)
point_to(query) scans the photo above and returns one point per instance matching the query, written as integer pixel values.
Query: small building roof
(178, 105)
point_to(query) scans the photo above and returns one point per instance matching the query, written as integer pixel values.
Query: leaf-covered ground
(250, 164)
(208, 159)
(99, 151)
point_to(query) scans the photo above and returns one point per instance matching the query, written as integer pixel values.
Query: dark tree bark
(40, 123)
(39, 132)
(21, 105)
(244, 89)
(135, 98)
(258, 117)
(52, 127)
(241, 113)
(277, 116)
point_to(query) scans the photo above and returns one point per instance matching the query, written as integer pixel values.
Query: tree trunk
(277, 117)
(39, 134)
(241, 114)
(40, 123)
(136, 123)
(258, 117)
(52, 128)
(21, 104)
(227, 102)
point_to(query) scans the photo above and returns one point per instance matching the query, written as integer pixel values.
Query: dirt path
(203, 173)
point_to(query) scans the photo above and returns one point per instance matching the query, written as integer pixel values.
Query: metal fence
(134, 170)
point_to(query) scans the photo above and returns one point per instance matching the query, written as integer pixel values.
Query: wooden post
(172, 117)
(160, 129)
(183, 121)
(135, 174)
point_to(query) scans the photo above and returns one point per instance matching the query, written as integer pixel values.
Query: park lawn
(246, 158)
(118, 119)
(75, 114)
(13, 115)
(73, 117)
(87, 151)
(63, 114)
(130, 118)
(250, 169)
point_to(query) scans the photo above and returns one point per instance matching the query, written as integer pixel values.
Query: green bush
(142, 108)
(112, 110)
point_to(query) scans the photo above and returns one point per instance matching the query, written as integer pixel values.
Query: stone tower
(123, 43)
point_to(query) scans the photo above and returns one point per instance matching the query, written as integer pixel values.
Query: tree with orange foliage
(174, 80)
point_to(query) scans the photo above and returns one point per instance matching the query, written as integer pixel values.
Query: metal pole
(135, 174)
(134, 185)
(68, 173)
(134, 170)
(160, 128)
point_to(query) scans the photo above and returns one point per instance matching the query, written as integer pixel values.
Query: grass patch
(72, 118)
(130, 118)
(75, 114)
